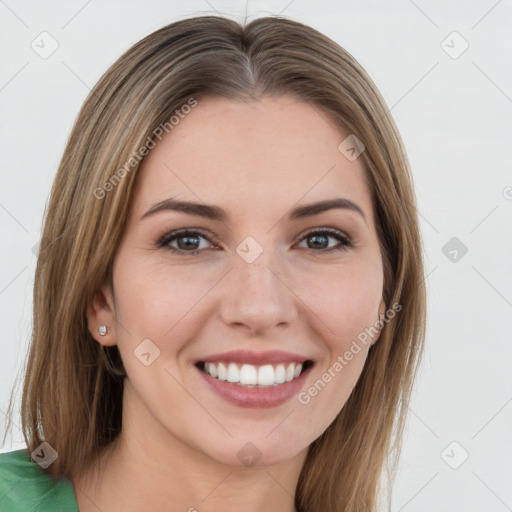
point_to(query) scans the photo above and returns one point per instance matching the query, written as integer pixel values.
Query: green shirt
(25, 487)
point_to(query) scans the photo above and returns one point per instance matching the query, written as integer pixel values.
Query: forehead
(246, 155)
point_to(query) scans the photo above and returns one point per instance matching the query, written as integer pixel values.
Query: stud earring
(103, 330)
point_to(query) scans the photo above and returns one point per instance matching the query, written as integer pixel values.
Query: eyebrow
(216, 213)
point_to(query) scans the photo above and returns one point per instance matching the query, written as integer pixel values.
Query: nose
(257, 298)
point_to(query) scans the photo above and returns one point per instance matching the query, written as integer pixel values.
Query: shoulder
(24, 486)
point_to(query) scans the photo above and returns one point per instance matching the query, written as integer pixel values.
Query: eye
(189, 241)
(186, 239)
(320, 240)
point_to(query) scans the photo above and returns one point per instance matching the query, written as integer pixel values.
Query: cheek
(345, 301)
(347, 306)
(160, 302)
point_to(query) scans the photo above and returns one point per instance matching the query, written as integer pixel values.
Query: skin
(179, 443)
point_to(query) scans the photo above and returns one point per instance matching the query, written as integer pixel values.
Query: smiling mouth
(255, 376)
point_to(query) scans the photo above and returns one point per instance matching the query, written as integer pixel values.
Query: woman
(229, 304)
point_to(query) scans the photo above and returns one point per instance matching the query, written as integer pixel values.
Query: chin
(254, 452)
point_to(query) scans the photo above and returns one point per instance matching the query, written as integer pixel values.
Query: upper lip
(255, 358)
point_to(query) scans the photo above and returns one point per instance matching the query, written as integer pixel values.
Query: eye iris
(190, 241)
(316, 238)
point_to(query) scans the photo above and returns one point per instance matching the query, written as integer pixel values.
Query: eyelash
(164, 242)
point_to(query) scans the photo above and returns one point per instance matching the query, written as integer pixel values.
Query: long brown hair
(72, 396)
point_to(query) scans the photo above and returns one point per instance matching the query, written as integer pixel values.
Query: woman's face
(254, 290)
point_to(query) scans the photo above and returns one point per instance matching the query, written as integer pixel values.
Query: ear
(382, 309)
(100, 312)
(379, 324)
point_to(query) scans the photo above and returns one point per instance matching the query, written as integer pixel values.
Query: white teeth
(211, 369)
(290, 372)
(221, 371)
(266, 375)
(233, 373)
(250, 375)
(280, 374)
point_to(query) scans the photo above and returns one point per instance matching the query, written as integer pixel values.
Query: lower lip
(255, 397)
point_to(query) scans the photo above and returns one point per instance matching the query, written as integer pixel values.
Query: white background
(455, 118)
